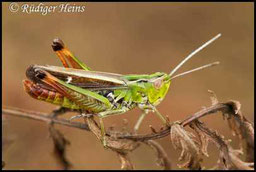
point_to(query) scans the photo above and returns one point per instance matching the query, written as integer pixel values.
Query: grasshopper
(75, 86)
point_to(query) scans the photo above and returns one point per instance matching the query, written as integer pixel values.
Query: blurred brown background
(127, 38)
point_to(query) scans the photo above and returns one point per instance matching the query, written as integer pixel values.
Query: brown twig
(223, 107)
(60, 143)
(39, 116)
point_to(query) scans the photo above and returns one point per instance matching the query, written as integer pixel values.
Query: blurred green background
(127, 38)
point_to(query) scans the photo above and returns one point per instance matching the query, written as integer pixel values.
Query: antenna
(193, 53)
(196, 69)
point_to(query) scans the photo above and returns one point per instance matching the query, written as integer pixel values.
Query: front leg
(163, 118)
(146, 109)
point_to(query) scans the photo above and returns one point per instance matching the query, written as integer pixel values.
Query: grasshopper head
(158, 88)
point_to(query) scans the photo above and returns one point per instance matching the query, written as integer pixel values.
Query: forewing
(92, 80)
(87, 99)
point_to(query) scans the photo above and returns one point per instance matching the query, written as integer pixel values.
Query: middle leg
(142, 116)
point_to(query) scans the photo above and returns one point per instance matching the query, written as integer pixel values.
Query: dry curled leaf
(234, 163)
(238, 163)
(228, 157)
(241, 127)
(162, 158)
(183, 140)
(204, 140)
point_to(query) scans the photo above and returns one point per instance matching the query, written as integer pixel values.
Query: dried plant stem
(39, 116)
(223, 107)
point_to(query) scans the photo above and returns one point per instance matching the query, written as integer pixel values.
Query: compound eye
(158, 83)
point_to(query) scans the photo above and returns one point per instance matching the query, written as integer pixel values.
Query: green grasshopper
(77, 87)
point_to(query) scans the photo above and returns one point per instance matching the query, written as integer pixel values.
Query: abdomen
(50, 96)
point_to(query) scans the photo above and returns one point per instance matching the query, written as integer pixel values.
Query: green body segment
(143, 89)
(139, 91)
(80, 101)
(61, 101)
(88, 100)
(50, 96)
